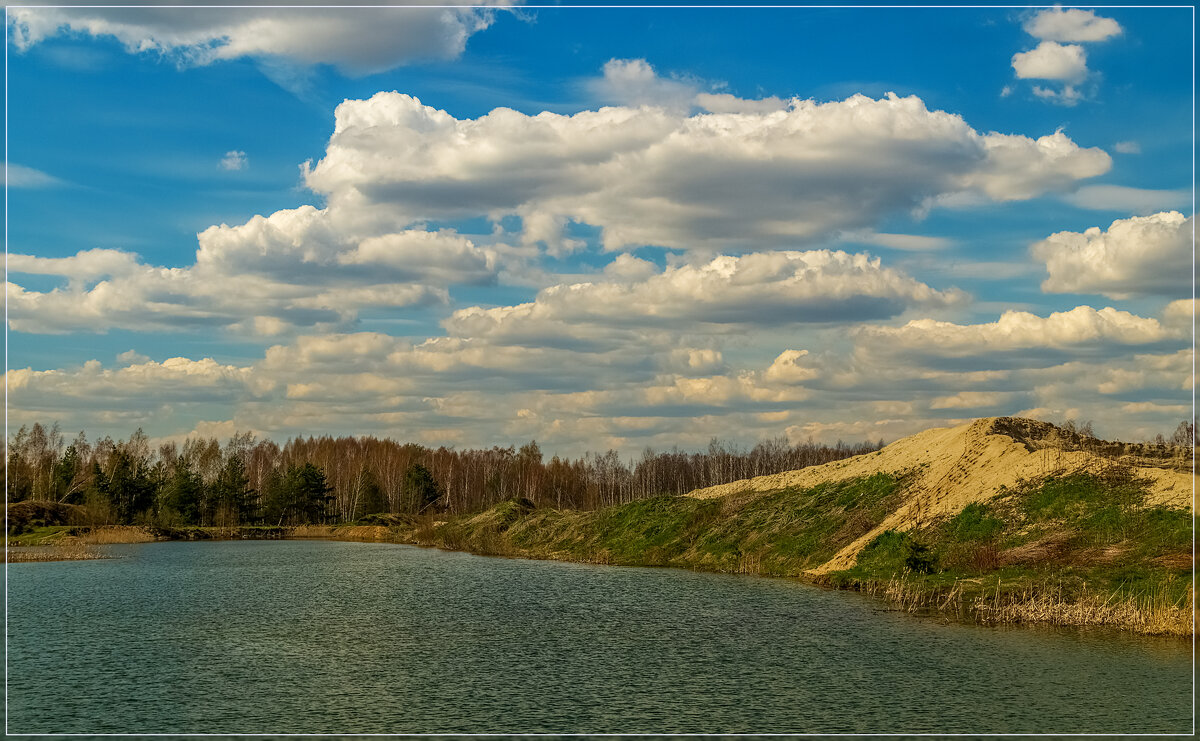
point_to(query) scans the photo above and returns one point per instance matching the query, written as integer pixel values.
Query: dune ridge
(947, 468)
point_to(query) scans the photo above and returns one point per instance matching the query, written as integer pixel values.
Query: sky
(598, 227)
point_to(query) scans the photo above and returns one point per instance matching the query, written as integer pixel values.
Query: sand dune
(951, 467)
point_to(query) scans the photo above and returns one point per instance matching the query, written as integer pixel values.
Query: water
(327, 637)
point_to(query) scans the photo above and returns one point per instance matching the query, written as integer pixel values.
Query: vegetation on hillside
(1029, 553)
(1077, 549)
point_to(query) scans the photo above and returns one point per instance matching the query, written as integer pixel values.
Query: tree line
(342, 479)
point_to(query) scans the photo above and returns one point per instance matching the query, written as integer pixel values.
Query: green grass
(779, 533)
(44, 535)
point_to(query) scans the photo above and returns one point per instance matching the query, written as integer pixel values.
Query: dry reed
(114, 534)
(1151, 613)
(66, 550)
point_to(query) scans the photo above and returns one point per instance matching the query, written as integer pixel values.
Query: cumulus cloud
(1061, 62)
(484, 390)
(634, 82)
(1051, 61)
(1142, 255)
(1071, 24)
(359, 42)
(262, 277)
(1079, 328)
(94, 387)
(760, 289)
(656, 176)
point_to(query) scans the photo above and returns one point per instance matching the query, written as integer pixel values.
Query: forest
(344, 479)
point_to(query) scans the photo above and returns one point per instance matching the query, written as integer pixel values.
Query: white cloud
(659, 392)
(1128, 147)
(1123, 198)
(1063, 62)
(1020, 168)
(132, 357)
(760, 289)
(357, 42)
(85, 265)
(1071, 24)
(1080, 327)
(726, 103)
(634, 82)
(1068, 96)
(292, 268)
(970, 400)
(19, 176)
(234, 159)
(1052, 61)
(1142, 255)
(134, 387)
(660, 177)
(1181, 314)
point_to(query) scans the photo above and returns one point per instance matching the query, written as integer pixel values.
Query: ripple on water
(327, 637)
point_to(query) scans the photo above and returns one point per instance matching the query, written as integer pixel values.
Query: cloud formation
(654, 176)
(1124, 371)
(1138, 256)
(1080, 328)
(358, 43)
(1051, 61)
(1071, 24)
(723, 295)
(1055, 58)
(262, 278)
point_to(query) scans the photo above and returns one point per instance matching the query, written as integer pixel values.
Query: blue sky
(598, 227)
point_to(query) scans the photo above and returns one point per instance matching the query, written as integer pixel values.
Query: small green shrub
(918, 558)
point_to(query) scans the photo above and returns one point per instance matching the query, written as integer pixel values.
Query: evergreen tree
(184, 494)
(130, 489)
(301, 497)
(232, 495)
(420, 491)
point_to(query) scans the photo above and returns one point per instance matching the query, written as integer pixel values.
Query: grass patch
(780, 533)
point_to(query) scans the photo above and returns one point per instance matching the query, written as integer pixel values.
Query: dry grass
(67, 550)
(369, 533)
(312, 531)
(1151, 614)
(114, 534)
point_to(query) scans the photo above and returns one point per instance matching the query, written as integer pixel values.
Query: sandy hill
(950, 467)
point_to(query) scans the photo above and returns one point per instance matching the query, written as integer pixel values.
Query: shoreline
(900, 592)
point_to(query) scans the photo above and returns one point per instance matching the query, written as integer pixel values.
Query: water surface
(329, 637)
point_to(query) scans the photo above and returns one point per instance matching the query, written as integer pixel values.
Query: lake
(332, 637)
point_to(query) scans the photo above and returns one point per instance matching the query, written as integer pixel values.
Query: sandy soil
(951, 467)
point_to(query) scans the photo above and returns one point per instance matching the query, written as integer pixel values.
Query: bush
(918, 558)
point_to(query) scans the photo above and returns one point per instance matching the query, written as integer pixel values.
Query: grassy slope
(1079, 549)
(781, 533)
(1076, 549)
